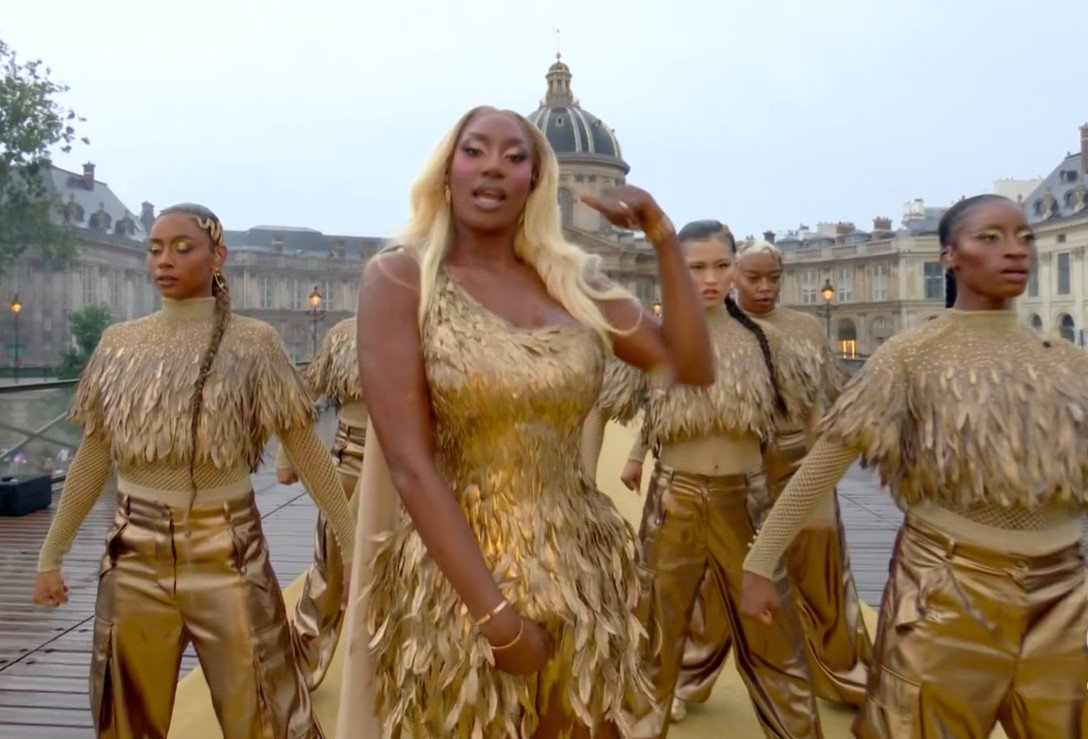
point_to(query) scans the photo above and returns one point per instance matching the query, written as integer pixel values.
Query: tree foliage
(32, 123)
(87, 327)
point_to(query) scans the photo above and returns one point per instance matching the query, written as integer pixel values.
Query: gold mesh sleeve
(804, 497)
(314, 466)
(641, 446)
(592, 440)
(87, 475)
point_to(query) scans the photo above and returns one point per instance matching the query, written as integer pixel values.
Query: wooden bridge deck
(45, 653)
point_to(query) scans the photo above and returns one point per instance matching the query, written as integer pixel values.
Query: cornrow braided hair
(946, 231)
(764, 346)
(208, 222)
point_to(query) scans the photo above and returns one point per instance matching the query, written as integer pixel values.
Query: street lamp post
(316, 312)
(16, 309)
(827, 292)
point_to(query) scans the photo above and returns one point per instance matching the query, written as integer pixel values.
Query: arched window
(1067, 328)
(847, 338)
(1035, 322)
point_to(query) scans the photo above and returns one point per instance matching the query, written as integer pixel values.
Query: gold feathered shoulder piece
(741, 400)
(334, 373)
(138, 386)
(972, 408)
(623, 391)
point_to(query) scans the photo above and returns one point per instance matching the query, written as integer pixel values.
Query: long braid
(764, 346)
(208, 222)
(196, 405)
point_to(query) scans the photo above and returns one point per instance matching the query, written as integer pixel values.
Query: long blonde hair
(538, 240)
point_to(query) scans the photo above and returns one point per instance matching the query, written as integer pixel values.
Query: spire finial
(558, 43)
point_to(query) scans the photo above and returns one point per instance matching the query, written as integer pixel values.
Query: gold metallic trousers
(970, 637)
(693, 525)
(319, 613)
(164, 584)
(818, 565)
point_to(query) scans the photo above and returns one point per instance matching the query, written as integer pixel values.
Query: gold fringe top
(809, 342)
(741, 400)
(971, 408)
(334, 373)
(623, 391)
(138, 385)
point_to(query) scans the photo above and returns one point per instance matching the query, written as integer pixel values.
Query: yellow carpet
(728, 707)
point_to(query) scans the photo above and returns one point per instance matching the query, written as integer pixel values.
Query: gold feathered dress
(508, 406)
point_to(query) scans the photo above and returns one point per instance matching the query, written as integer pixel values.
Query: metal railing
(35, 435)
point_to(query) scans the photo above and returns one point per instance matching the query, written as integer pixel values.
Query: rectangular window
(265, 292)
(846, 284)
(934, 281)
(295, 294)
(1063, 273)
(88, 276)
(329, 292)
(880, 282)
(1033, 283)
(116, 285)
(809, 288)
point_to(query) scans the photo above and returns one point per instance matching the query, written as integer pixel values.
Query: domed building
(590, 161)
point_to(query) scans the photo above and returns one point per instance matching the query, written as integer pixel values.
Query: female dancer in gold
(319, 613)
(707, 495)
(181, 403)
(818, 565)
(981, 430)
(501, 602)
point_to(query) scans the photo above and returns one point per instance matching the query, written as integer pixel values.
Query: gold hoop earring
(449, 197)
(220, 283)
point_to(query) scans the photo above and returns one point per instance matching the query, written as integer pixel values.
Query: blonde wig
(538, 241)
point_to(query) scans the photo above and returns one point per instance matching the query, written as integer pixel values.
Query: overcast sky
(763, 113)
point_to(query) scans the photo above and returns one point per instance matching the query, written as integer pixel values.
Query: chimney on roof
(1084, 148)
(768, 236)
(88, 175)
(147, 215)
(881, 225)
(277, 244)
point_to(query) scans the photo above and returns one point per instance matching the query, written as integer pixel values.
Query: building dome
(572, 131)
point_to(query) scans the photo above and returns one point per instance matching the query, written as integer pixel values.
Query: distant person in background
(708, 495)
(818, 566)
(333, 375)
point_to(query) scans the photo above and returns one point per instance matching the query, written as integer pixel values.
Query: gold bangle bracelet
(494, 612)
(660, 230)
(521, 630)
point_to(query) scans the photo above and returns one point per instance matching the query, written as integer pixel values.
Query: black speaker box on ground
(23, 494)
